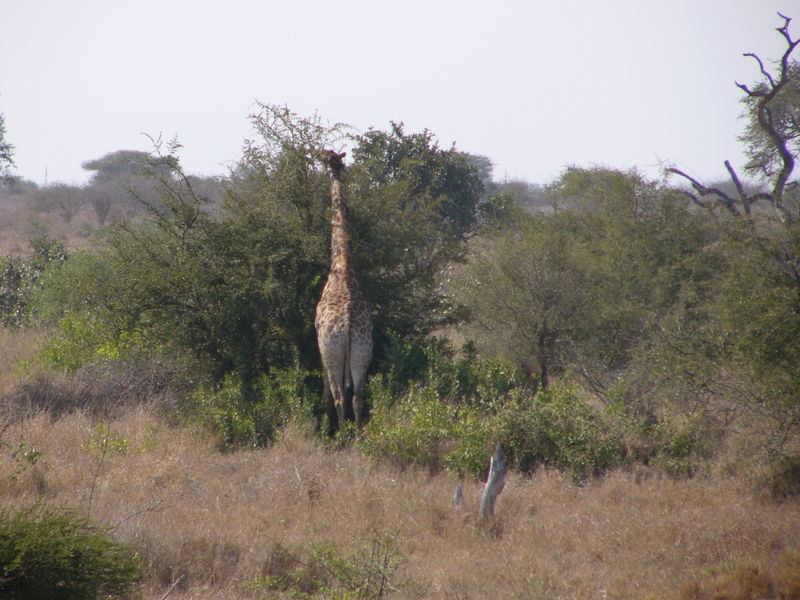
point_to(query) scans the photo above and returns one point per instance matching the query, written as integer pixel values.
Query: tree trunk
(494, 483)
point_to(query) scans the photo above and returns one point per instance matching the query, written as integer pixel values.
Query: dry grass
(16, 346)
(223, 519)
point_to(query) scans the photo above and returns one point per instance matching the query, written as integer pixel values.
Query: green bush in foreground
(60, 555)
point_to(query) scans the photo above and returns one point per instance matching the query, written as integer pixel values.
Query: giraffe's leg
(330, 408)
(333, 352)
(336, 388)
(360, 358)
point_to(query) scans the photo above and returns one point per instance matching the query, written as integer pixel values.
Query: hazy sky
(533, 85)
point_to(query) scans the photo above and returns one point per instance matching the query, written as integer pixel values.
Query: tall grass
(293, 518)
(301, 519)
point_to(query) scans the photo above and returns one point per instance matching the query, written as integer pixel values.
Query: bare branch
(173, 586)
(743, 198)
(784, 31)
(703, 190)
(747, 90)
(764, 71)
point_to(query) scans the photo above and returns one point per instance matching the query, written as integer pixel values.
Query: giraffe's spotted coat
(343, 317)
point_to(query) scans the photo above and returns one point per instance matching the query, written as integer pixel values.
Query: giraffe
(343, 320)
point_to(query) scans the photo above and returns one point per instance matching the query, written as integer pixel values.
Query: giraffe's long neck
(340, 239)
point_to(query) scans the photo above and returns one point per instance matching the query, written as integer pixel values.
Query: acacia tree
(66, 200)
(125, 179)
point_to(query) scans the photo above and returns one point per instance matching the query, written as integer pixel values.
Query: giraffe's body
(343, 319)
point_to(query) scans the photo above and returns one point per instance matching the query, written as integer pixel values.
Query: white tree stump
(494, 483)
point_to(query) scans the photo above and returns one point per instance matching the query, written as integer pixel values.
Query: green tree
(743, 345)
(20, 279)
(526, 295)
(447, 181)
(578, 287)
(235, 286)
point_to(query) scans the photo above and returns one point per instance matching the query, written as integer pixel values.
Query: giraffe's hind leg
(360, 358)
(334, 361)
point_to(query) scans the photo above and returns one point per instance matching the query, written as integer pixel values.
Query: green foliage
(764, 160)
(80, 340)
(444, 180)
(424, 431)
(252, 414)
(434, 410)
(235, 286)
(321, 571)
(20, 278)
(47, 553)
(578, 287)
(25, 458)
(681, 447)
(437, 411)
(455, 410)
(558, 428)
(104, 440)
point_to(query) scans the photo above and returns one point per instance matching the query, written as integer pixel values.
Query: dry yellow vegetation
(223, 520)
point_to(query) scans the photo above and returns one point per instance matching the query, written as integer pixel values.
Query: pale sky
(533, 85)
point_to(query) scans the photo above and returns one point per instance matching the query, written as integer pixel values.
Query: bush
(20, 278)
(458, 409)
(59, 555)
(424, 431)
(244, 413)
(323, 572)
(557, 427)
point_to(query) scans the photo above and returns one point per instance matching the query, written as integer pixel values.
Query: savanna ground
(301, 519)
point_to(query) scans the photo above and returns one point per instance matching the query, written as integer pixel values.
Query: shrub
(19, 278)
(557, 427)
(245, 413)
(322, 571)
(459, 408)
(80, 340)
(468, 379)
(681, 446)
(59, 555)
(413, 432)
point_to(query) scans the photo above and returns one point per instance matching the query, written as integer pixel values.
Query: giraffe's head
(333, 161)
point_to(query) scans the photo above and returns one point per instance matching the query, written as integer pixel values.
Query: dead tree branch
(704, 191)
(762, 94)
